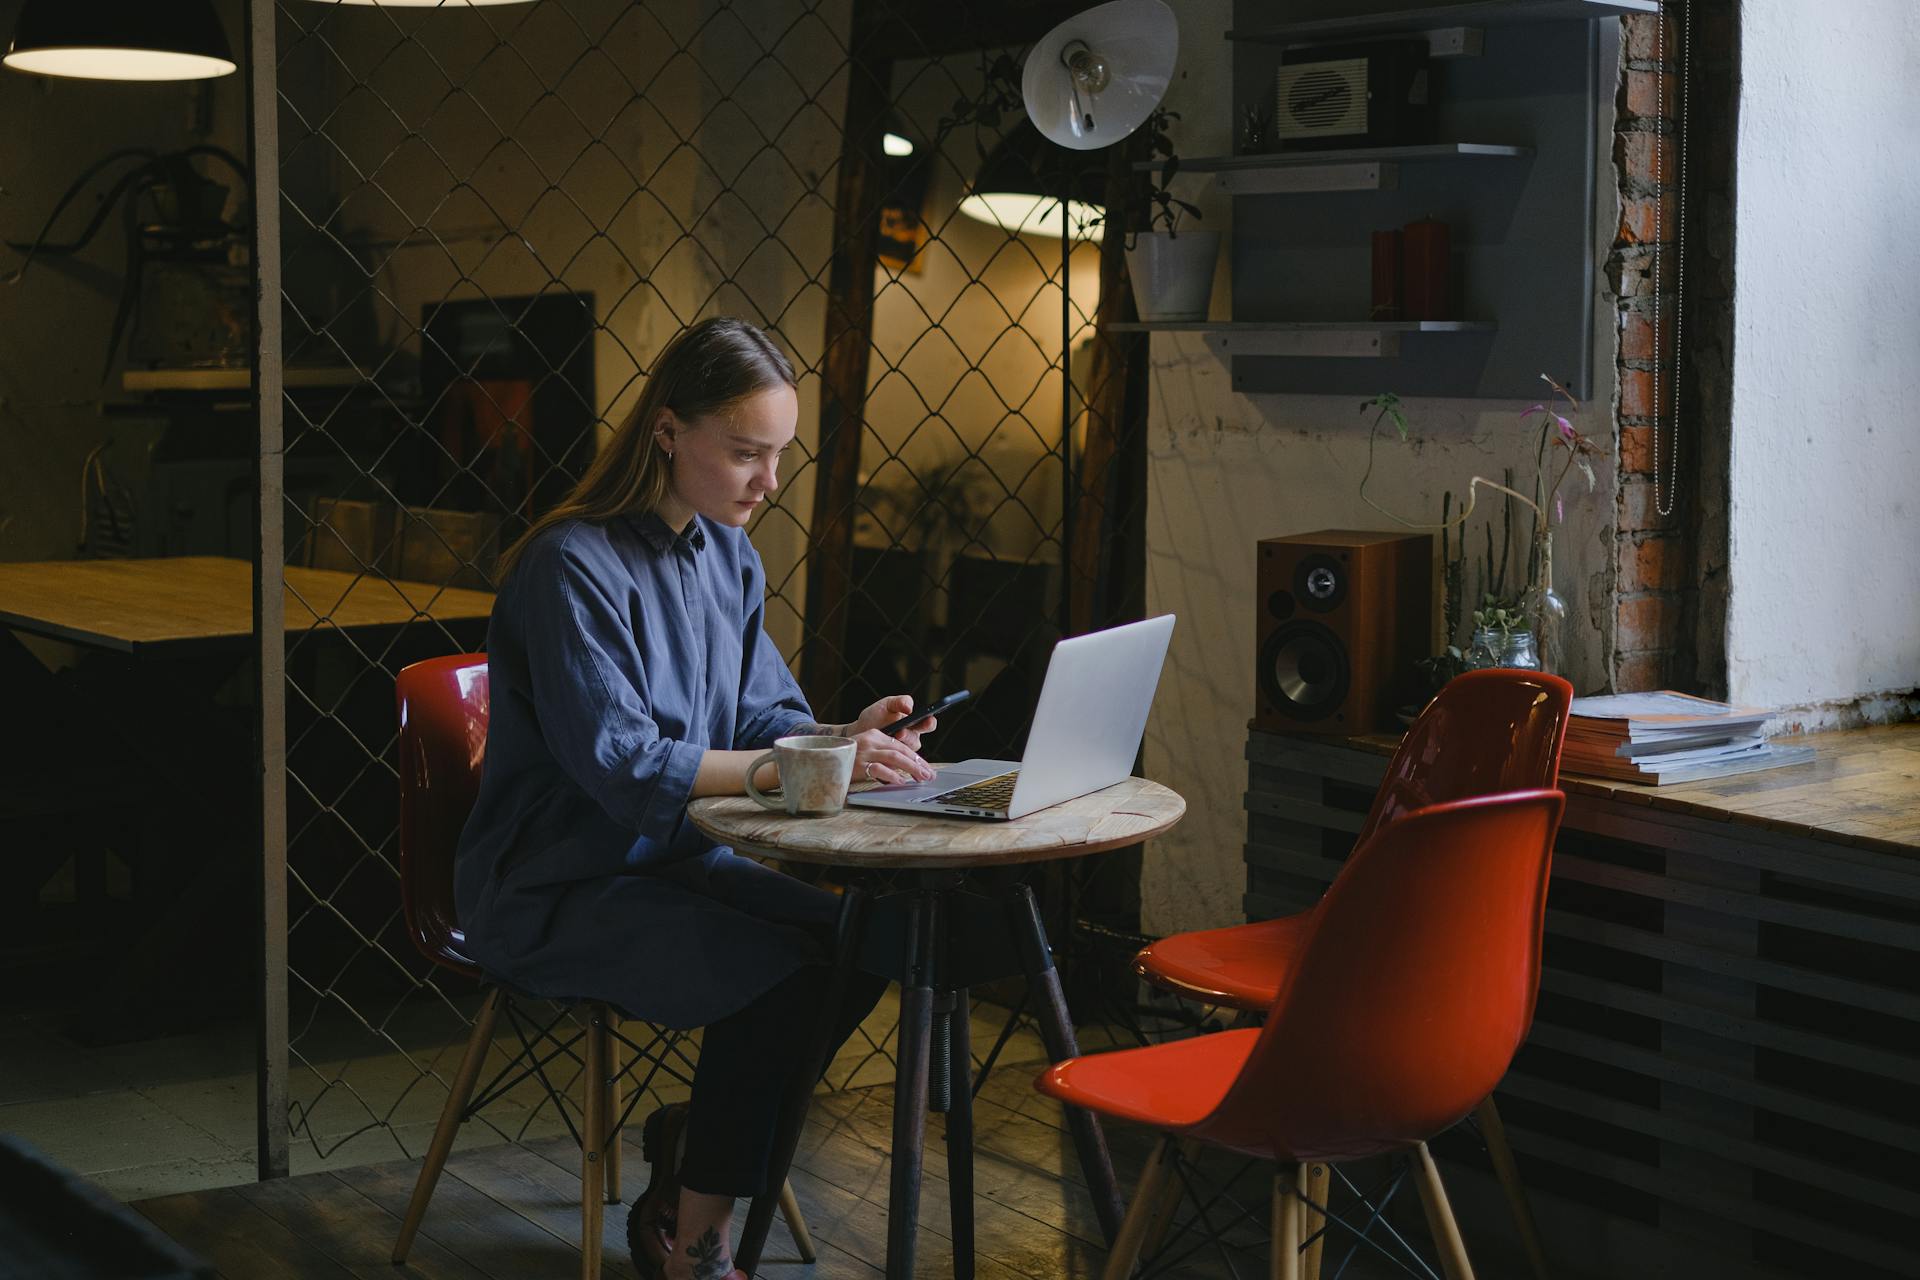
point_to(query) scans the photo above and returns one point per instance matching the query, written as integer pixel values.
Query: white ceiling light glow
(1033, 215)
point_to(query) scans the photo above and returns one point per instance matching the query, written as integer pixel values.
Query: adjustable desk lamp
(1087, 84)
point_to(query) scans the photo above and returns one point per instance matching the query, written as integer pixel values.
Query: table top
(1862, 788)
(136, 605)
(1125, 813)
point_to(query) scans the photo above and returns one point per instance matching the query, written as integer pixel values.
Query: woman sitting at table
(631, 673)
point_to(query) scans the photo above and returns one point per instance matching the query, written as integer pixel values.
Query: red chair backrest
(1486, 732)
(443, 743)
(1415, 989)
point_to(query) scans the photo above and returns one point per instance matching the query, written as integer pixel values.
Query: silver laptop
(1086, 732)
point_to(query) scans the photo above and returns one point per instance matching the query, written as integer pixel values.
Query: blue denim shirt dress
(618, 652)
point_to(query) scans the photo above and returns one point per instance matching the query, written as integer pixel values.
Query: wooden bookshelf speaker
(1343, 616)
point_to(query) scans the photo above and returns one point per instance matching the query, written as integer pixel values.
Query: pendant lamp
(1024, 181)
(120, 40)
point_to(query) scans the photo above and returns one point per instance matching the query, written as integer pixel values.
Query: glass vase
(1492, 647)
(1543, 608)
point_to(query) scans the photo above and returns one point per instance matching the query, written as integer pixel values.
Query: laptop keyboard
(988, 793)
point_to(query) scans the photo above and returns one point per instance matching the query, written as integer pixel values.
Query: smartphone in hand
(953, 699)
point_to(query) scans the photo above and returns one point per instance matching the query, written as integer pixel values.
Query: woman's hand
(880, 758)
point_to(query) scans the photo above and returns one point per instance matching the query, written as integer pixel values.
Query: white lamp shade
(120, 40)
(1138, 40)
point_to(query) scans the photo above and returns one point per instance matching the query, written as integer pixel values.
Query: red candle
(1389, 295)
(1426, 255)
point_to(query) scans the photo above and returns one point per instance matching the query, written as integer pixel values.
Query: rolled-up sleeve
(591, 701)
(771, 703)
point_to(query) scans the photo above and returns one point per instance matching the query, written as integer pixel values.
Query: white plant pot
(1173, 274)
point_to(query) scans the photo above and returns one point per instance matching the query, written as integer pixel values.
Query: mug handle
(760, 797)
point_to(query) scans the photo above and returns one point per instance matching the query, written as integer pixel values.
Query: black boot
(650, 1222)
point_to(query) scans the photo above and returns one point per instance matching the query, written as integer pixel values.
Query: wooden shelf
(1306, 338)
(1344, 169)
(1345, 155)
(211, 379)
(1477, 13)
(1303, 326)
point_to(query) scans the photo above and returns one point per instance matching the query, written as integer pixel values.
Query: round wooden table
(955, 910)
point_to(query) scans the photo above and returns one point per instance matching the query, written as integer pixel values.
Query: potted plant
(1502, 635)
(1536, 610)
(1171, 268)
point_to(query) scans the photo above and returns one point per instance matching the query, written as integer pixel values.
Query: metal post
(269, 600)
(1066, 420)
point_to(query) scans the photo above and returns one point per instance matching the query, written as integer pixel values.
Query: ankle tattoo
(710, 1258)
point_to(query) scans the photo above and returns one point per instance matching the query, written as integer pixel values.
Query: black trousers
(746, 1073)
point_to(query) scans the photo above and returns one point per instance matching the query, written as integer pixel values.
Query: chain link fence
(491, 221)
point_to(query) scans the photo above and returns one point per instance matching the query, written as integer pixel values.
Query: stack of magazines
(1665, 737)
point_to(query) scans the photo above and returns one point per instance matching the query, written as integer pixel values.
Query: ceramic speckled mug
(814, 772)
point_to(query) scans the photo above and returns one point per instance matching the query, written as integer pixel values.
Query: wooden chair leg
(1508, 1171)
(1315, 1184)
(1125, 1253)
(613, 1108)
(1286, 1222)
(443, 1132)
(796, 1225)
(1446, 1232)
(1165, 1210)
(593, 1136)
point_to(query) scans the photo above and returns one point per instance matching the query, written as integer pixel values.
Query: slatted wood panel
(1721, 1077)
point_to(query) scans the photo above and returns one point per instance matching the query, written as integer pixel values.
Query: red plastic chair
(1414, 986)
(1487, 732)
(443, 704)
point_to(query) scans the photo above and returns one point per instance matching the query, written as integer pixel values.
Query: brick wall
(1670, 571)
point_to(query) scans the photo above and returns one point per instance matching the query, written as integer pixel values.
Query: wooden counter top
(1862, 788)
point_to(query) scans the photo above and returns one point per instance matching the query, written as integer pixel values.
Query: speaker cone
(1303, 671)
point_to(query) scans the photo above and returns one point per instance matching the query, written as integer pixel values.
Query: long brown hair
(708, 368)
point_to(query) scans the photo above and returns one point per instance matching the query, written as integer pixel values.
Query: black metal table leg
(753, 1235)
(1007, 1028)
(960, 1130)
(910, 1083)
(1056, 1030)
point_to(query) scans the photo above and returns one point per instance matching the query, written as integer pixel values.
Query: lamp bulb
(1089, 70)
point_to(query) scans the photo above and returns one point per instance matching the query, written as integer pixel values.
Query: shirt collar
(661, 537)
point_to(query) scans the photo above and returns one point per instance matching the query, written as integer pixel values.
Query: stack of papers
(1664, 737)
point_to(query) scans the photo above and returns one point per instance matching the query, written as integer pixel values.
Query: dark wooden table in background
(138, 729)
(152, 606)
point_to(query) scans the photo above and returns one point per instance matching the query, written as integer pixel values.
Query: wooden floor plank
(858, 1226)
(469, 1223)
(527, 1184)
(351, 1229)
(512, 1212)
(240, 1240)
(857, 1159)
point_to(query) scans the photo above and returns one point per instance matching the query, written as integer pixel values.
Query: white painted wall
(1824, 602)
(1227, 470)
